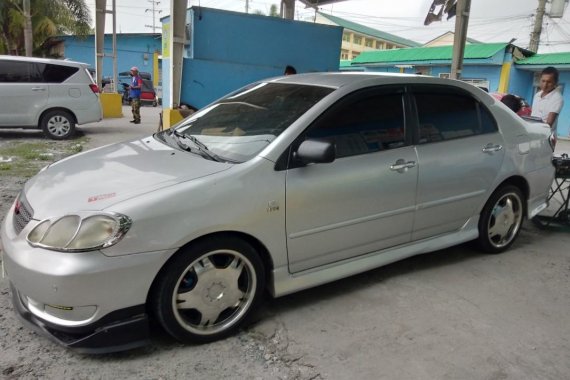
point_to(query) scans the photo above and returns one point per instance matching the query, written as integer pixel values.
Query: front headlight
(80, 232)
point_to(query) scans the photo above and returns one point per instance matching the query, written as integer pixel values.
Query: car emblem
(273, 206)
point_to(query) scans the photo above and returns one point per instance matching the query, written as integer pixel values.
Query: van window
(14, 72)
(34, 72)
(58, 73)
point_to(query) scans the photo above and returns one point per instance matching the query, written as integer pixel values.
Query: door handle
(492, 148)
(38, 88)
(402, 165)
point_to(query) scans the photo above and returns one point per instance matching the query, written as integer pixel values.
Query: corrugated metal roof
(363, 29)
(436, 53)
(546, 59)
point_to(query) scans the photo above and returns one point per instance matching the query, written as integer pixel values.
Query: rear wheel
(501, 219)
(58, 125)
(208, 290)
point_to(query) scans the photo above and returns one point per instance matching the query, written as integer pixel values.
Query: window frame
(286, 160)
(414, 116)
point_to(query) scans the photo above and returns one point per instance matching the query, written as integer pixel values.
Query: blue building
(133, 49)
(226, 50)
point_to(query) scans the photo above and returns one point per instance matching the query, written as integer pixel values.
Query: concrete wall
(228, 50)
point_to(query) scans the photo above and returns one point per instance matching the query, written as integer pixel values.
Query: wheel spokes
(215, 289)
(504, 221)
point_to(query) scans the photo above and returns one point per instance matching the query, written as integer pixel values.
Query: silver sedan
(282, 185)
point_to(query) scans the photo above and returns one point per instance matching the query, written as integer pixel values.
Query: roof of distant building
(437, 53)
(363, 29)
(345, 63)
(546, 59)
(470, 40)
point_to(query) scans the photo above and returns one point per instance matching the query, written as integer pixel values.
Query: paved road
(452, 314)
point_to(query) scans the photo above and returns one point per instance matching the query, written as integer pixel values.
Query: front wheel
(208, 290)
(501, 219)
(58, 125)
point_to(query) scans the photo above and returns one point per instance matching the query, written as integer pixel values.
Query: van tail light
(94, 88)
(552, 140)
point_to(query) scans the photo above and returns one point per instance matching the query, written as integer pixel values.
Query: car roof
(340, 79)
(64, 62)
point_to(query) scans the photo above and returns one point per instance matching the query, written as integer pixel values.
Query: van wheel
(501, 219)
(58, 125)
(208, 290)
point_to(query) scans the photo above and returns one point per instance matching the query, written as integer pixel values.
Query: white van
(50, 94)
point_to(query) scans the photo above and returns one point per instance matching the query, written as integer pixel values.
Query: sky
(489, 21)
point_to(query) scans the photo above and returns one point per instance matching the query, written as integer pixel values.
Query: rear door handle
(402, 165)
(492, 148)
(38, 88)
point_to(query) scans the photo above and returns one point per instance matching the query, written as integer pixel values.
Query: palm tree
(49, 18)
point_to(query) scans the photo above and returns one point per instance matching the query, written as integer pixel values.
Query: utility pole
(537, 29)
(461, 23)
(246, 6)
(28, 36)
(154, 12)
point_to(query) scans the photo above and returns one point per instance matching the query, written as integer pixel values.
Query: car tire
(58, 125)
(208, 290)
(501, 219)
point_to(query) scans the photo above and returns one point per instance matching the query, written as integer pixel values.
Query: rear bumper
(118, 331)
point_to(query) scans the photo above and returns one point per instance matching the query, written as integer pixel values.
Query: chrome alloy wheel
(505, 220)
(58, 125)
(214, 292)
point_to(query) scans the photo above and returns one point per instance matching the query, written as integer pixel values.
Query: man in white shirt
(548, 102)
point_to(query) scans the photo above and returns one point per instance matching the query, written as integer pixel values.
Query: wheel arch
(254, 242)
(521, 183)
(44, 112)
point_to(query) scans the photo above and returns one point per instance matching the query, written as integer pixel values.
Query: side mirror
(315, 152)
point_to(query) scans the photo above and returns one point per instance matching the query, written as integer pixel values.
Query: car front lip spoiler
(120, 335)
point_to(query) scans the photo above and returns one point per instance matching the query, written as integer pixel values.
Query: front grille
(23, 213)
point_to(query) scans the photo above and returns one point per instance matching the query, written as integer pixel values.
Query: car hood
(99, 178)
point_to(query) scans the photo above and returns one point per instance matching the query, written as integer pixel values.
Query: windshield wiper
(202, 148)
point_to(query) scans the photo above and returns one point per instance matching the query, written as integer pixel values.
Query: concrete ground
(451, 314)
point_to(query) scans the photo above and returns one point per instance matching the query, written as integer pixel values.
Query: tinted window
(445, 114)
(14, 72)
(58, 73)
(367, 122)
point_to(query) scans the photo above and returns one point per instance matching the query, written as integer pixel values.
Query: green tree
(273, 11)
(49, 18)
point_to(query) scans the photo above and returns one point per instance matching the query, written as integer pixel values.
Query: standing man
(135, 95)
(548, 102)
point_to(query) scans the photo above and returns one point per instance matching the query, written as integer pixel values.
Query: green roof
(369, 31)
(436, 53)
(345, 63)
(546, 59)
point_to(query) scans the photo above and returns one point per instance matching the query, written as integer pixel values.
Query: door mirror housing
(315, 152)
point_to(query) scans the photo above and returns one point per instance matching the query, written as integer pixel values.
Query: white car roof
(43, 60)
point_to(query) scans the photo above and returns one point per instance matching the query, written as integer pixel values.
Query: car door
(364, 200)
(22, 92)
(460, 153)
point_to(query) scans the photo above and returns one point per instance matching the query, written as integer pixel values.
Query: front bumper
(119, 331)
(86, 301)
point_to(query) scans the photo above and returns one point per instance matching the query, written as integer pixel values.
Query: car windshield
(240, 125)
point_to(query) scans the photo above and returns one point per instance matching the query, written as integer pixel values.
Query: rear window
(58, 73)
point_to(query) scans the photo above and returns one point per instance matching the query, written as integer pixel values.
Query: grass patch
(25, 159)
